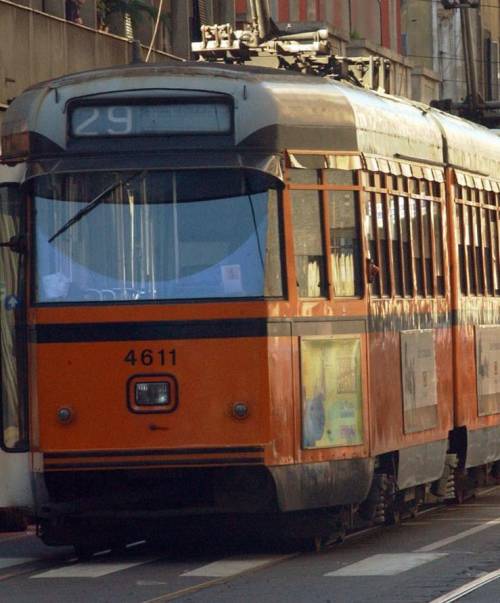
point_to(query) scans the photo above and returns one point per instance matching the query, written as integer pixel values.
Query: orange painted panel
(91, 379)
(388, 429)
(283, 395)
(466, 401)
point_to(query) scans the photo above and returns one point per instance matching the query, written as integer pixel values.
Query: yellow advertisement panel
(332, 400)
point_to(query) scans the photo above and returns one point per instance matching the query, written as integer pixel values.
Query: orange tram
(239, 291)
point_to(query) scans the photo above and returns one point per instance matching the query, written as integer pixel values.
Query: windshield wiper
(93, 204)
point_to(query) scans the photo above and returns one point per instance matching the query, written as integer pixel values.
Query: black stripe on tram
(151, 452)
(149, 331)
(239, 327)
(165, 463)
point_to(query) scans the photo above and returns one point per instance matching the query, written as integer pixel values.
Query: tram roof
(282, 110)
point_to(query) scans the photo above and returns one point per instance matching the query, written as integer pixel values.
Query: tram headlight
(152, 393)
(155, 393)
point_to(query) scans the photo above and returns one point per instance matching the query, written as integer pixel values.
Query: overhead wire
(482, 5)
(153, 38)
(155, 31)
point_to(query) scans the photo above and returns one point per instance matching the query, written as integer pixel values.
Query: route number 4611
(150, 357)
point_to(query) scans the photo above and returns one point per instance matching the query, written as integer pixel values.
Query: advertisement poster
(418, 375)
(332, 401)
(488, 369)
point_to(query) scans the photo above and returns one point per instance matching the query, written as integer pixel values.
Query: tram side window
(459, 233)
(345, 254)
(404, 225)
(471, 267)
(405, 245)
(309, 243)
(378, 244)
(478, 249)
(426, 234)
(438, 247)
(394, 226)
(372, 242)
(12, 365)
(478, 242)
(383, 242)
(417, 245)
(495, 250)
(485, 237)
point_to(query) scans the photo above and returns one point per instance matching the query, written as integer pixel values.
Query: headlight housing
(152, 393)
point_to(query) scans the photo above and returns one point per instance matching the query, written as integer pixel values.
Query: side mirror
(17, 244)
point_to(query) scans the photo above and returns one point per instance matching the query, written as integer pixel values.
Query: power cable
(153, 37)
(155, 31)
(482, 5)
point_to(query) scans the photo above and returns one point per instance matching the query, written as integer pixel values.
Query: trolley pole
(473, 98)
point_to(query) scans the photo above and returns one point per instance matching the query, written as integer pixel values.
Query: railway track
(216, 570)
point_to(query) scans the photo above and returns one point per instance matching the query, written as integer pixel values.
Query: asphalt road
(431, 558)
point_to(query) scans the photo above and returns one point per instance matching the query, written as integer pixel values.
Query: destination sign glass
(148, 119)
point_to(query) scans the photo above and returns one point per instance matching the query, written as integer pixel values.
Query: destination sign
(149, 119)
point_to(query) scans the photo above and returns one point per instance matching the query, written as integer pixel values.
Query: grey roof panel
(277, 110)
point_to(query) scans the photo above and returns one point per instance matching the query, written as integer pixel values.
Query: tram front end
(152, 270)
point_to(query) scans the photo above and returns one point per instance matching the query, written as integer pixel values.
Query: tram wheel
(13, 520)
(84, 550)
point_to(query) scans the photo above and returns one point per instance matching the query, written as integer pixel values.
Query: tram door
(13, 343)
(332, 308)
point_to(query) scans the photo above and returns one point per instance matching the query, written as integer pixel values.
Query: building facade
(43, 39)
(377, 21)
(419, 40)
(359, 29)
(37, 45)
(433, 39)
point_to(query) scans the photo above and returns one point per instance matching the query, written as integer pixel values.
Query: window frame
(324, 188)
(420, 190)
(475, 206)
(326, 285)
(34, 302)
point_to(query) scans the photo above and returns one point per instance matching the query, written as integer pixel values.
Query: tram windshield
(156, 235)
